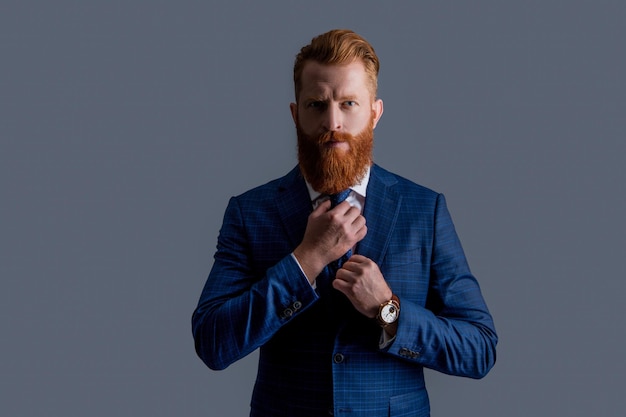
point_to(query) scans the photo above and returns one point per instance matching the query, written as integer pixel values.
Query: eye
(349, 103)
(317, 105)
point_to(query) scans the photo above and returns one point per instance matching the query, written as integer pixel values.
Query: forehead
(334, 80)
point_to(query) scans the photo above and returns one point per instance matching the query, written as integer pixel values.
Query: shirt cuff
(313, 284)
(385, 340)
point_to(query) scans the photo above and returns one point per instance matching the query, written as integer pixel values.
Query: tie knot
(339, 197)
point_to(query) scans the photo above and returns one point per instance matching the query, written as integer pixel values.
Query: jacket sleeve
(454, 333)
(241, 308)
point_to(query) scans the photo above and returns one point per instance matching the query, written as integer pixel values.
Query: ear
(377, 108)
(294, 112)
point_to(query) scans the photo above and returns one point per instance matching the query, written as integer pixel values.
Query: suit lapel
(294, 205)
(382, 206)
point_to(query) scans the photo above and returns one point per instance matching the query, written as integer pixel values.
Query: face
(335, 117)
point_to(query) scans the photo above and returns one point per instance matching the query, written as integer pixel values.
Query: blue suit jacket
(317, 354)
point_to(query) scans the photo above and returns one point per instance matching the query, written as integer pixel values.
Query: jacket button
(288, 312)
(338, 358)
(297, 305)
(408, 353)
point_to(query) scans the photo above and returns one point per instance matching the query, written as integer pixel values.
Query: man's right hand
(328, 236)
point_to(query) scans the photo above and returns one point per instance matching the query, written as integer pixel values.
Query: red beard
(330, 170)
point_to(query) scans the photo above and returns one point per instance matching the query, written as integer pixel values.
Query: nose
(332, 119)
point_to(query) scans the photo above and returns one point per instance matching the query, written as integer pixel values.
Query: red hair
(337, 47)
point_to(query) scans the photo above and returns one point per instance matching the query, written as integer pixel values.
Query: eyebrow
(349, 97)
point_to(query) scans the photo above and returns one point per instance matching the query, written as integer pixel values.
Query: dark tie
(335, 199)
(328, 275)
(338, 198)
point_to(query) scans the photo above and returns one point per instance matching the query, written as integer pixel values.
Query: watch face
(389, 313)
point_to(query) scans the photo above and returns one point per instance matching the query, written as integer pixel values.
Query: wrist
(308, 263)
(375, 309)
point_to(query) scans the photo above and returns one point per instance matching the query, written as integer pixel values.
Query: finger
(354, 210)
(358, 259)
(361, 233)
(349, 217)
(350, 271)
(358, 222)
(323, 207)
(345, 273)
(341, 285)
(342, 208)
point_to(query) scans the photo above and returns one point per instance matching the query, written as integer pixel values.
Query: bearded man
(350, 279)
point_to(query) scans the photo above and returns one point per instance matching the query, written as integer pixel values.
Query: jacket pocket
(412, 404)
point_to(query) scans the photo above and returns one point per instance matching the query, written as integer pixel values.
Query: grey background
(125, 126)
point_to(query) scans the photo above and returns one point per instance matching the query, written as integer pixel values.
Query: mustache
(332, 136)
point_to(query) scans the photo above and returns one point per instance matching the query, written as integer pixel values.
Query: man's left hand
(361, 281)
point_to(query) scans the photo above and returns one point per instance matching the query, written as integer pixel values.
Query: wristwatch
(388, 312)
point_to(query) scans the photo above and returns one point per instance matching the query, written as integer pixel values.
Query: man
(347, 300)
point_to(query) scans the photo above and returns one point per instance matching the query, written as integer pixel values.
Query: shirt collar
(359, 188)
